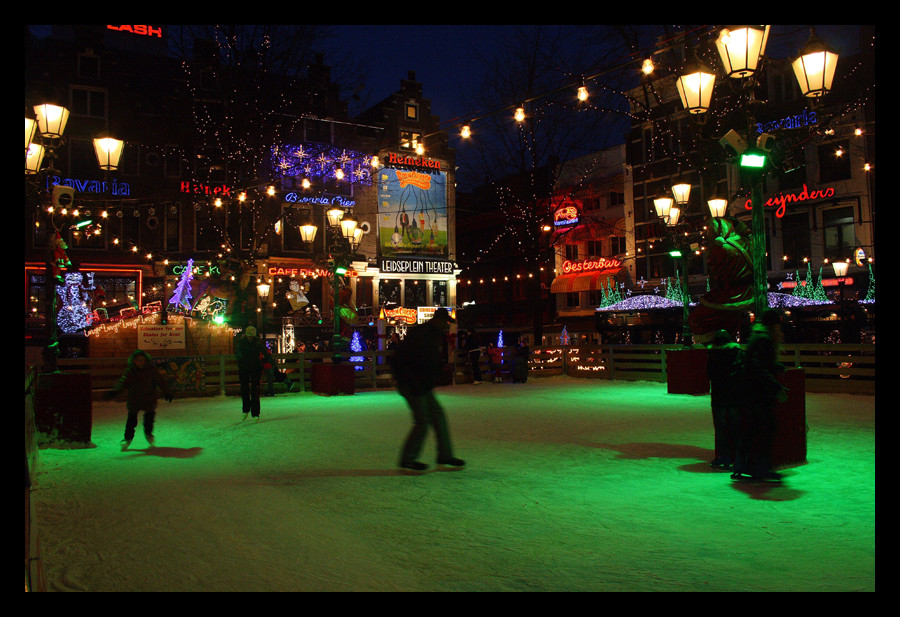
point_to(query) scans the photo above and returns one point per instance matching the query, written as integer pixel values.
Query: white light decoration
(682, 193)
(520, 114)
(674, 214)
(582, 93)
(662, 204)
(334, 216)
(717, 206)
(466, 132)
(814, 68)
(30, 130)
(51, 119)
(741, 47)
(308, 231)
(109, 151)
(695, 88)
(33, 158)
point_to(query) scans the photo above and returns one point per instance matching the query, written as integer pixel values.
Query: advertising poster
(412, 213)
(158, 336)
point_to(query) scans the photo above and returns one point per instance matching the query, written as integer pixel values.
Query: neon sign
(336, 200)
(567, 213)
(788, 122)
(91, 186)
(589, 265)
(204, 189)
(782, 200)
(399, 159)
(299, 272)
(143, 30)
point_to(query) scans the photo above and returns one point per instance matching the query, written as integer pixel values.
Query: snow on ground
(572, 485)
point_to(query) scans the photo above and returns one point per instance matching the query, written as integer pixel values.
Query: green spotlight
(675, 253)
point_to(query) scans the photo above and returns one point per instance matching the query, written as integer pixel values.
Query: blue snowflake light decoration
(320, 162)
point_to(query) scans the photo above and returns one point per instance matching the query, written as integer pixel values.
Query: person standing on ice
(761, 390)
(141, 379)
(249, 353)
(723, 364)
(496, 355)
(417, 364)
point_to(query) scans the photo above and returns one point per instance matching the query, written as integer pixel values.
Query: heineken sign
(416, 266)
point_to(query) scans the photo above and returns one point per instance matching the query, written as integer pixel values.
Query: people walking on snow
(417, 364)
(141, 379)
(761, 390)
(249, 353)
(723, 365)
(473, 349)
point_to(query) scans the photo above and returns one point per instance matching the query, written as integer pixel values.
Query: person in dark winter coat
(723, 365)
(141, 379)
(417, 364)
(760, 390)
(249, 353)
(473, 349)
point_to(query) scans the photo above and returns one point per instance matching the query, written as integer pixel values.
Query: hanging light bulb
(466, 132)
(647, 67)
(305, 184)
(520, 114)
(420, 149)
(582, 93)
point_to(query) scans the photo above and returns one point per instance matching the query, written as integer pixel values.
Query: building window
(594, 248)
(616, 245)
(572, 299)
(795, 239)
(595, 297)
(412, 111)
(89, 102)
(439, 293)
(616, 198)
(410, 139)
(173, 227)
(839, 237)
(88, 66)
(572, 252)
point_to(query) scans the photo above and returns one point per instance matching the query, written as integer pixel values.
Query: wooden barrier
(828, 368)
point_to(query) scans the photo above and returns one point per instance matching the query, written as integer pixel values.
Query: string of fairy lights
(223, 135)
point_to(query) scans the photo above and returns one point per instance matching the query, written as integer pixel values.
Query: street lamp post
(742, 49)
(48, 127)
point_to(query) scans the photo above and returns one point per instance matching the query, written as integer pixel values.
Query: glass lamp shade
(334, 216)
(814, 68)
(741, 48)
(109, 151)
(348, 226)
(357, 235)
(662, 204)
(30, 130)
(263, 290)
(674, 213)
(33, 158)
(308, 231)
(682, 193)
(717, 206)
(840, 268)
(51, 119)
(695, 89)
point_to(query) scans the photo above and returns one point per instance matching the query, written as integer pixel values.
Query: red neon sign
(142, 30)
(588, 265)
(782, 200)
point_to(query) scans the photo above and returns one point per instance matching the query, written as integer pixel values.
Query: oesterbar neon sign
(588, 265)
(782, 200)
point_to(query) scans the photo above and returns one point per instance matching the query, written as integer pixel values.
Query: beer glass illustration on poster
(412, 213)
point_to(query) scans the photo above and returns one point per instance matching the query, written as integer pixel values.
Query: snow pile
(572, 485)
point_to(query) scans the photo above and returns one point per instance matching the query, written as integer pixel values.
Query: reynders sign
(415, 266)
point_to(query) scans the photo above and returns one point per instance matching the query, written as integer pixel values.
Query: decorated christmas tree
(500, 339)
(870, 294)
(564, 337)
(819, 292)
(76, 303)
(357, 344)
(182, 296)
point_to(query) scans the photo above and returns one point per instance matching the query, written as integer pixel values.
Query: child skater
(140, 379)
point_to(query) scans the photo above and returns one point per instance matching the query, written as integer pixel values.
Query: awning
(584, 281)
